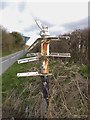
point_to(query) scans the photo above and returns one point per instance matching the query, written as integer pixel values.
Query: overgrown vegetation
(19, 93)
(67, 92)
(85, 71)
(11, 42)
(68, 86)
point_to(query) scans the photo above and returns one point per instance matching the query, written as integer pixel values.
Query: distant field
(8, 53)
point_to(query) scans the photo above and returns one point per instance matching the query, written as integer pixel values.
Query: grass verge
(10, 80)
(22, 96)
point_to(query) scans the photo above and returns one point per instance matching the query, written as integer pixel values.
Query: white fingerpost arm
(28, 60)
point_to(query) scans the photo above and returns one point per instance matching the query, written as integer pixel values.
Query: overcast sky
(61, 17)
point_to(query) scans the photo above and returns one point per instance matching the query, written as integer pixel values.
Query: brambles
(68, 93)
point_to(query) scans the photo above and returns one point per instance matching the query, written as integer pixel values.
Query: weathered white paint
(60, 55)
(26, 74)
(27, 60)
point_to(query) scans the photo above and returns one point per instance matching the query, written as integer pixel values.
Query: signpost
(43, 57)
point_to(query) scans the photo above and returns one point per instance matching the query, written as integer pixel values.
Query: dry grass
(68, 95)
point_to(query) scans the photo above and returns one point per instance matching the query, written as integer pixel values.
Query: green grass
(85, 70)
(0, 53)
(9, 78)
(11, 81)
(5, 53)
(25, 91)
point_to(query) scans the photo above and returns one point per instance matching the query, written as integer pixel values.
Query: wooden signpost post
(44, 59)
